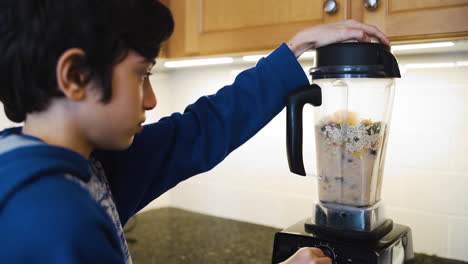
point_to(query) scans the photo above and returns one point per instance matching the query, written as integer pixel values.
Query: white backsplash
(426, 173)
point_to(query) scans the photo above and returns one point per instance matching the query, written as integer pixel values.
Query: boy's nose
(149, 98)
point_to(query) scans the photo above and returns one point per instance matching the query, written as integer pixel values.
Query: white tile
(295, 209)
(161, 201)
(425, 190)
(4, 121)
(418, 143)
(459, 132)
(458, 238)
(429, 121)
(429, 230)
(267, 179)
(261, 206)
(391, 187)
(223, 201)
(458, 194)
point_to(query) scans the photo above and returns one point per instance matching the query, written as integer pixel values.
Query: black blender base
(395, 247)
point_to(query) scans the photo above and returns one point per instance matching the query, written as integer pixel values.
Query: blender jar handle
(311, 94)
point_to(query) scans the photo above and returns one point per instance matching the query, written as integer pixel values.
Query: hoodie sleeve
(62, 225)
(183, 145)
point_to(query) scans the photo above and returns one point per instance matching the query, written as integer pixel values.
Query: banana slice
(343, 116)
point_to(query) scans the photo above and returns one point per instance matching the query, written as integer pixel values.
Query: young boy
(76, 73)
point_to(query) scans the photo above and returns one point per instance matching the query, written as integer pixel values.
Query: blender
(353, 86)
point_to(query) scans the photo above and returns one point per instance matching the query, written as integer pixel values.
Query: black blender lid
(355, 60)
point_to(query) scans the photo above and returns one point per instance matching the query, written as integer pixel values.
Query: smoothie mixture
(348, 154)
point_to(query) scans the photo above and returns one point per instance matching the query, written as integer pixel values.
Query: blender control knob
(327, 251)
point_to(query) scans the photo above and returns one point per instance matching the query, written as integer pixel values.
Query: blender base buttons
(393, 248)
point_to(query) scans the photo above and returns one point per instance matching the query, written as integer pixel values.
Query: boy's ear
(72, 74)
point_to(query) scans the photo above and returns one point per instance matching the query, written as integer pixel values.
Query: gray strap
(15, 141)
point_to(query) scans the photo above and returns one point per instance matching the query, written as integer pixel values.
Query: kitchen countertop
(172, 236)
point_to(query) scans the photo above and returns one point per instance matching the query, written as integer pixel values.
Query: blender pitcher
(353, 83)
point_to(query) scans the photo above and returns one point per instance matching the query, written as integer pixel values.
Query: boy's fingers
(319, 36)
(354, 33)
(317, 252)
(320, 257)
(362, 35)
(370, 30)
(323, 260)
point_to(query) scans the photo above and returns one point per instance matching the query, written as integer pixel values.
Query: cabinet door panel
(241, 14)
(413, 5)
(420, 19)
(206, 27)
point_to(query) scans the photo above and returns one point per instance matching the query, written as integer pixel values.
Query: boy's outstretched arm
(183, 145)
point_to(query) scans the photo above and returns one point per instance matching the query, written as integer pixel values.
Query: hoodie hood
(24, 159)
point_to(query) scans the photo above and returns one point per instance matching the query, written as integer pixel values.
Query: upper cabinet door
(418, 19)
(206, 27)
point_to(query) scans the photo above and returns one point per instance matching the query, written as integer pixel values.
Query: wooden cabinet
(416, 19)
(207, 27)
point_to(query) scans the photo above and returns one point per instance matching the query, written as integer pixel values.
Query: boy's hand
(308, 255)
(318, 36)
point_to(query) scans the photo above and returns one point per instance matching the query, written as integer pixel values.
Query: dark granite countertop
(173, 236)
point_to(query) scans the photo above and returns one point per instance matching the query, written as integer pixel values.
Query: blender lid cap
(355, 60)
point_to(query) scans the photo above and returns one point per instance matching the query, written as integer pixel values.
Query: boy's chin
(125, 145)
(118, 146)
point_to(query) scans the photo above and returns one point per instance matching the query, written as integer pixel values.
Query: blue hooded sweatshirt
(58, 207)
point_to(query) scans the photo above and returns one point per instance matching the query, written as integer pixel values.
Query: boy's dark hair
(35, 33)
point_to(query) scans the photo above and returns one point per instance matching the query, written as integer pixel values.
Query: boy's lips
(140, 125)
(139, 128)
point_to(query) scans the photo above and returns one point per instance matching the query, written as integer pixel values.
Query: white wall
(426, 179)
